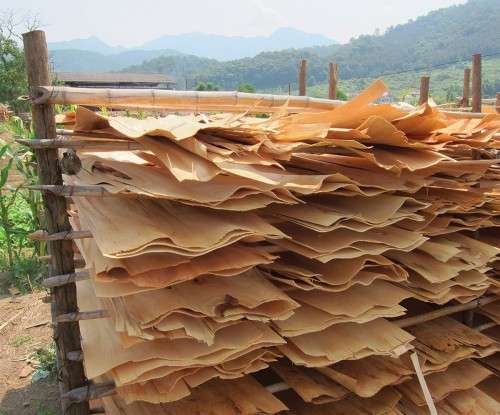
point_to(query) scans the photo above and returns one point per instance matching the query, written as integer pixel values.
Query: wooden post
(66, 337)
(476, 82)
(289, 88)
(424, 89)
(332, 80)
(497, 104)
(302, 77)
(466, 91)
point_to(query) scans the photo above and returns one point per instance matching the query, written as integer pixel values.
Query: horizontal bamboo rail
(486, 326)
(444, 311)
(41, 235)
(59, 280)
(192, 101)
(168, 100)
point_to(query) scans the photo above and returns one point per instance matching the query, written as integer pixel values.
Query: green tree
(206, 86)
(246, 88)
(13, 81)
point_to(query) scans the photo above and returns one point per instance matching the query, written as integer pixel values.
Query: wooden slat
(59, 280)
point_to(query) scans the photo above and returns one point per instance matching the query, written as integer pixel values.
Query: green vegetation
(206, 86)
(445, 86)
(12, 70)
(439, 38)
(21, 339)
(246, 88)
(46, 359)
(20, 213)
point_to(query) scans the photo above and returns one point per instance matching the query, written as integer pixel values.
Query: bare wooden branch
(476, 83)
(445, 311)
(81, 315)
(90, 392)
(58, 280)
(74, 190)
(89, 145)
(41, 235)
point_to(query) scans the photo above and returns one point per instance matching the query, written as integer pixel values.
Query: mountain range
(444, 36)
(199, 44)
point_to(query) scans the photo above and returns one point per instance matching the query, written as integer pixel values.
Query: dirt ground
(25, 327)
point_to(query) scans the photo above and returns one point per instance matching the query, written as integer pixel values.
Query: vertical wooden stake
(497, 104)
(424, 89)
(466, 91)
(67, 336)
(289, 88)
(332, 80)
(302, 77)
(476, 82)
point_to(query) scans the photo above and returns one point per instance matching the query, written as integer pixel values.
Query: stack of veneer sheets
(233, 253)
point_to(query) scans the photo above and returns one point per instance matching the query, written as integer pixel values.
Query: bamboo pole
(332, 80)
(424, 89)
(58, 280)
(486, 326)
(302, 77)
(445, 311)
(194, 101)
(497, 103)
(466, 88)
(476, 83)
(71, 374)
(189, 101)
(69, 235)
(78, 260)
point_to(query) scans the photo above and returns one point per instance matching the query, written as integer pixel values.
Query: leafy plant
(46, 359)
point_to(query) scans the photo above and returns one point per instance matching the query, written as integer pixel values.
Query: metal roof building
(114, 80)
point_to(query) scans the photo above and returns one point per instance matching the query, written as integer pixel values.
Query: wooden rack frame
(75, 389)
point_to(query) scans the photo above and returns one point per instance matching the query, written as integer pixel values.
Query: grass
(21, 339)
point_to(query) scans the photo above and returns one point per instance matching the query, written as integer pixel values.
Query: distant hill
(235, 47)
(92, 54)
(441, 37)
(75, 60)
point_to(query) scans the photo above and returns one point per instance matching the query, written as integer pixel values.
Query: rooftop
(111, 77)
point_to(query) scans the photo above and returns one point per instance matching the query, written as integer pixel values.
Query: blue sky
(131, 22)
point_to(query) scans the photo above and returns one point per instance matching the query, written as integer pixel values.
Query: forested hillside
(441, 37)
